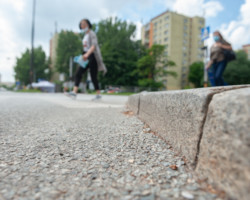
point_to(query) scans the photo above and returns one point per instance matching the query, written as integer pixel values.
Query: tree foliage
(69, 44)
(238, 71)
(120, 53)
(153, 66)
(196, 73)
(22, 67)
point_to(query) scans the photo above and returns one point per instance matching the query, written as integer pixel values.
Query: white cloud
(212, 8)
(237, 31)
(138, 30)
(10, 43)
(191, 7)
(245, 12)
(198, 7)
(17, 5)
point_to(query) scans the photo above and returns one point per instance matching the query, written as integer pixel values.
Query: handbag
(229, 55)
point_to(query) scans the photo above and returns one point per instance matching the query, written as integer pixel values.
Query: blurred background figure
(218, 61)
(92, 54)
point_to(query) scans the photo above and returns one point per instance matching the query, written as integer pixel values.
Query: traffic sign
(205, 33)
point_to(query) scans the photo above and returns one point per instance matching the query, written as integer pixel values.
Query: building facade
(246, 48)
(53, 57)
(181, 37)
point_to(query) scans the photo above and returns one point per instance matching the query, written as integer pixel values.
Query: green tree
(196, 73)
(153, 66)
(238, 71)
(69, 44)
(120, 53)
(22, 67)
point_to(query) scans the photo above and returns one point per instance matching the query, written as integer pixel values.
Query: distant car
(112, 90)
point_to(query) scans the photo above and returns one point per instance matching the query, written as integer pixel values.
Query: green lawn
(29, 91)
(122, 93)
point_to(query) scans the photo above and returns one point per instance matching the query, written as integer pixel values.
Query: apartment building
(246, 48)
(53, 56)
(181, 36)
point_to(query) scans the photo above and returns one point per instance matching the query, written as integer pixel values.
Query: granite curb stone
(224, 151)
(209, 127)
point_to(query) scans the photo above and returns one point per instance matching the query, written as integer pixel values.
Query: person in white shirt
(92, 53)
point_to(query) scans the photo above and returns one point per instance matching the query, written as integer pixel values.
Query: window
(164, 82)
(167, 25)
(166, 39)
(185, 20)
(183, 83)
(147, 27)
(200, 56)
(165, 67)
(166, 32)
(155, 24)
(167, 18)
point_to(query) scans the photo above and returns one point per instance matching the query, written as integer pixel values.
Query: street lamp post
(32, 70)
(70, 72)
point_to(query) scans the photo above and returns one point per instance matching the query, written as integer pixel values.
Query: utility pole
(70, 72)
(32, 69)
(205, 49)
(55, 27)
(204, 36)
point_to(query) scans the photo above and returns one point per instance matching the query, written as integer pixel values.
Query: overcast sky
(231, 17)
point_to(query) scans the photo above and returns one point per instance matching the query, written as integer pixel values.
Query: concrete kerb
(179, 116)
(224, 156)
(133, 103)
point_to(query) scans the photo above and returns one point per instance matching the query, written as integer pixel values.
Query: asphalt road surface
(53, 147)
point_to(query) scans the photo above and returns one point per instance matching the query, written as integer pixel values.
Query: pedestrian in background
(92, 53)
(218, 59)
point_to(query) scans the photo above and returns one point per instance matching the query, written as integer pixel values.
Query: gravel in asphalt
(52, 147)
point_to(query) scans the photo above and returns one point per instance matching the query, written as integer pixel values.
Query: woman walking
(92, 53)
(217, 58)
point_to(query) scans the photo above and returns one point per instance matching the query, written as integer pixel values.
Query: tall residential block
(181, 36)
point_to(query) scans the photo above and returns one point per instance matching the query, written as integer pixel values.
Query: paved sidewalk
(52, 147)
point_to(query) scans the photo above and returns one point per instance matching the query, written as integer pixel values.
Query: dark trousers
(218, 69)
(92, 65)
